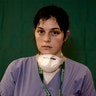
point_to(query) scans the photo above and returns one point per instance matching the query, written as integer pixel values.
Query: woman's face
(49, 37)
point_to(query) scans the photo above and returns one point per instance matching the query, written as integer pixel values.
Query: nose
(47, 38)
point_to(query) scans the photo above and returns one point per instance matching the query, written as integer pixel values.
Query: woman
(49, 73)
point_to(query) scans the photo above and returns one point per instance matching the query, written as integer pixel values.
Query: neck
(48, 76)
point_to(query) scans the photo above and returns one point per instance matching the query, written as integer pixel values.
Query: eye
(41, 32)
(55, 33)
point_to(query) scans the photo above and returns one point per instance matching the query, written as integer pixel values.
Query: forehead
(48, 23)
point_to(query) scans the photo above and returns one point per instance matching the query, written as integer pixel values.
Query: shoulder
(79, 76)
(19, 67)
(21, 64)
(22, 61)
(77, 68)
(76, 64)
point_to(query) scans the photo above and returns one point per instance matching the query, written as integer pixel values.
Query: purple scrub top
(22, 79)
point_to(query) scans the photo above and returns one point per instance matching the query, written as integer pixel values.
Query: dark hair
(53, 11)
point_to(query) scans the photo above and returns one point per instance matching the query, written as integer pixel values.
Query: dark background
(17, 37)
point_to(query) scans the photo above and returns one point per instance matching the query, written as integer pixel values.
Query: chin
(46, 53)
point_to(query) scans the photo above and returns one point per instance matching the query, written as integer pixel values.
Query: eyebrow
(51, 28)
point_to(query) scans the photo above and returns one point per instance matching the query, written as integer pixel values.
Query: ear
(67, 35)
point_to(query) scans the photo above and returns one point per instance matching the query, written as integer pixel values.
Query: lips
(46, 47)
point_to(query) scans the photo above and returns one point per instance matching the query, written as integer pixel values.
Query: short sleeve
(7, 83)
(88, 88)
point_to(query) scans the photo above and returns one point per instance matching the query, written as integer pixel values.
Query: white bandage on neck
(49, 63)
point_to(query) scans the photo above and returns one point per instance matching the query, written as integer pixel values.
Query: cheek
(58, 43)
(38, 41)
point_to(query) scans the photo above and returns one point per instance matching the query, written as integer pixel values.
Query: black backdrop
(17, 37)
